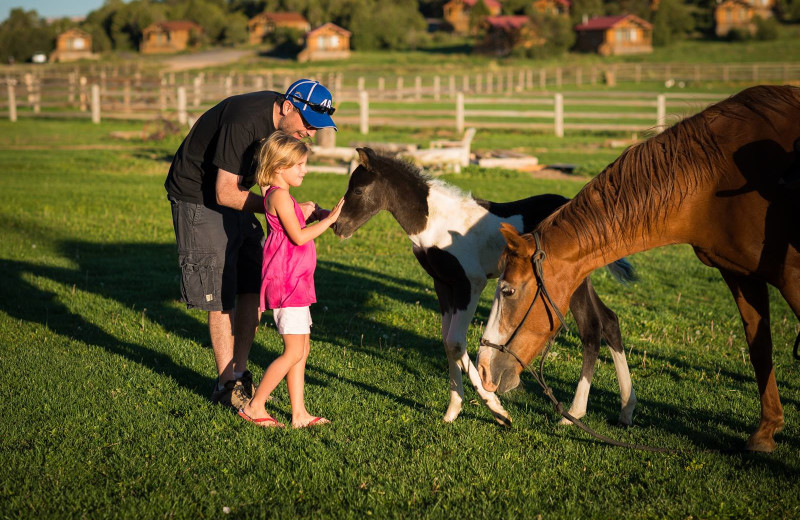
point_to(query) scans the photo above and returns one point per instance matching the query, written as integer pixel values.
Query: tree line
(375, 24)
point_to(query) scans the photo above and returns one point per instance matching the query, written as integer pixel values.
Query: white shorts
(292, 320)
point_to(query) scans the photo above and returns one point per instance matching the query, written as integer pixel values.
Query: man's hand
(309, 209)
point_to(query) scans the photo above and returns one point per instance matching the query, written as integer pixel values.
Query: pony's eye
(507, 291)
(358, 191)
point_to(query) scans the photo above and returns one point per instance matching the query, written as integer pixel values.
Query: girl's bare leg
(296, 380)
(293, 353)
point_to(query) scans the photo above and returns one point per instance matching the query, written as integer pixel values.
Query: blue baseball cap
(314, 102)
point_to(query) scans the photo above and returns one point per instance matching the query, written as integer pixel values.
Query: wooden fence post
(12, 101)
(37, 95)
(162, 94)
(197, 91)
(521, 81)
(126, 96)
(417, 87)
(96, 103)
(437, 88)
(381, 86)
(542, 79)
(460, 113)
(363, 112)
(82, 96)
(661, 112)
(452, 86)
(182, 116)
(559, 115)
(399, 87)
(559, 77)
(489, 83)
(228, 86)
(72, 81)
(465, 84)
(360, 83)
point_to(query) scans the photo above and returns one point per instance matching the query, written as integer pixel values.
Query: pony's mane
(654, 177)
(403, 171)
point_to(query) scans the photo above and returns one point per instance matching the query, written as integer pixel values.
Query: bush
(738, 35)
(766, 29)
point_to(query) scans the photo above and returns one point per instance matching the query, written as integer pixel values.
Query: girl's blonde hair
(278, 151)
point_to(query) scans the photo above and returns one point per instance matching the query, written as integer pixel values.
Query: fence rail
(526, 99)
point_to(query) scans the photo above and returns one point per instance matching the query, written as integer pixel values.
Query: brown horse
(722, 180)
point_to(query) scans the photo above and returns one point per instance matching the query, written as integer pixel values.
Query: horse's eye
(507, 291)
(358, 191)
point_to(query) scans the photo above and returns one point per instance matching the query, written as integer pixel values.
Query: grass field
(106, 411)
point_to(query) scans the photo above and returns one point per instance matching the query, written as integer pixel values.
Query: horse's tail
(622, 270)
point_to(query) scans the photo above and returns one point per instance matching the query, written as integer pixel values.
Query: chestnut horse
(722, 180)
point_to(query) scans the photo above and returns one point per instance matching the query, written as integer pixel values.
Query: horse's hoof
(761, 443)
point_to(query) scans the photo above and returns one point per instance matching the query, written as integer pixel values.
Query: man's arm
(232, 194)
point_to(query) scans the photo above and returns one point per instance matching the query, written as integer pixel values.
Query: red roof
(489, 3)
(607, 22)
(507, 22)
(176, 25)
(286, 17)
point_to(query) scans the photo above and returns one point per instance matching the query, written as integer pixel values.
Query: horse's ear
(365, 156)
(516, 242)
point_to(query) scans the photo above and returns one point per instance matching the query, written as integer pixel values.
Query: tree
(477, 15)
(672, 22)
(387, 25)
(22, 35)
(587, 8)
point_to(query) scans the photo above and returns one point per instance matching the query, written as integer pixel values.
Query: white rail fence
(524, 99)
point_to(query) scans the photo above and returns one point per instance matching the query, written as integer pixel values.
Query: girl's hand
(334, 214)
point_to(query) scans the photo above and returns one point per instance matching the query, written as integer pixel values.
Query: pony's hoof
(503, 420)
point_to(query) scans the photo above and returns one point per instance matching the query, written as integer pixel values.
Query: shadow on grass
(696, 424)
(145, 276)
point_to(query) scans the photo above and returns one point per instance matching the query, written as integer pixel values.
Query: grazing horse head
(520, 321)
(383, 183)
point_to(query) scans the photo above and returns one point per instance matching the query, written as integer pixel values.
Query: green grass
(105, 409)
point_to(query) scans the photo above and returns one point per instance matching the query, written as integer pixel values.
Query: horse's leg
(456, 345)
(752, 298)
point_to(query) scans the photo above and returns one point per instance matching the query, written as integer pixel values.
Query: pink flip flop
(266, 422)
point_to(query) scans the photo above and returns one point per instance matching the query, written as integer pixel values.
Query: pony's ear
(516, 242)
(365, 156)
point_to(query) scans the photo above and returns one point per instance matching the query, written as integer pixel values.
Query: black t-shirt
(228, 136)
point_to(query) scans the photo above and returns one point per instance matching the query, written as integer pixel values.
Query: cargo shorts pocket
(199, 286)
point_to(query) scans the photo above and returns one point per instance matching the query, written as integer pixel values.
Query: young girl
(287, 275)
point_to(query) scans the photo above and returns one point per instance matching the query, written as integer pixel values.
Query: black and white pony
(457, 241)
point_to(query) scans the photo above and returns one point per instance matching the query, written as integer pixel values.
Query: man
(219, 238)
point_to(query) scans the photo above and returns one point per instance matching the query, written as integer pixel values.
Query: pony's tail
(622, 270)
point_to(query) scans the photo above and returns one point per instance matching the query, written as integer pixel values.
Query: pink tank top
(287, 272)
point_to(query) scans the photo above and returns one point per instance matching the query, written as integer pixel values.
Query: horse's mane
(654, 177)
